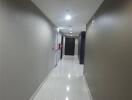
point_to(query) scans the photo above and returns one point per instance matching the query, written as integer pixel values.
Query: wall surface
(76, 46)
(57, 50)
(108, 65)
(26, 56)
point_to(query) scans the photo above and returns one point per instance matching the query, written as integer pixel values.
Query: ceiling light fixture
(71, 32)
(68, 88)
(69, 76)
(67, 98)
(68, 17)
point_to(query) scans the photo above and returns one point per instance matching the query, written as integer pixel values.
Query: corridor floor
(65, 82)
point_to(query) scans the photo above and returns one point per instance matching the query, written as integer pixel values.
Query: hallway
(65, 49)
(65, 82)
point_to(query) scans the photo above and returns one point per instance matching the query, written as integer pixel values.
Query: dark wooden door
(69, 46)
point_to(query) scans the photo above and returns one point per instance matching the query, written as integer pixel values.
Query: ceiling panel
(80, 10)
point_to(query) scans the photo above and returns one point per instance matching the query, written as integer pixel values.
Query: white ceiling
(80, 10)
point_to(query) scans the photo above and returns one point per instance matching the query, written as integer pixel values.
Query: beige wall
(26, 56)
(108, 65)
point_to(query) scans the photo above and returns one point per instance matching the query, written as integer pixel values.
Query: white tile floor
(66, 82)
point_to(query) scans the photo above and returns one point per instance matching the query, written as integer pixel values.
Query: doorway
(69, 46)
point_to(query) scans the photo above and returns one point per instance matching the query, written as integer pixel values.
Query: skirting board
(91, 98)
(36, 92)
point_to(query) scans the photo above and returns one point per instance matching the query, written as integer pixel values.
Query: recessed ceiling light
(68, 88)
(69, 76)
(68, 17)
(70, 32)
(67, 98)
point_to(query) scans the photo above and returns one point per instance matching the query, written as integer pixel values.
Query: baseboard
(91, 98)
(38, 89)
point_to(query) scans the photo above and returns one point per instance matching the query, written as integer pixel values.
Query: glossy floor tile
(65, 82)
